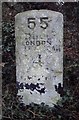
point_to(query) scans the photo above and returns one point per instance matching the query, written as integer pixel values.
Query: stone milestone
(39, 55)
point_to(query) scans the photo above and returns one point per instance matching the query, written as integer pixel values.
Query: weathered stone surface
(39, 55)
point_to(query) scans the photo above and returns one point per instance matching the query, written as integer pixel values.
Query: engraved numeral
(31, 23)
(43, 22)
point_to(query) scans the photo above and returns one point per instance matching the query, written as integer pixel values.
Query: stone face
(39, 55)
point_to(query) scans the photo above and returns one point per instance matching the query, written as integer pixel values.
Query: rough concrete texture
(39, 55)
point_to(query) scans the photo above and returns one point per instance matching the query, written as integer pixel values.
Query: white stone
(39, 55)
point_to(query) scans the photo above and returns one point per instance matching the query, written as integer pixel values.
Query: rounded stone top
(41, 12)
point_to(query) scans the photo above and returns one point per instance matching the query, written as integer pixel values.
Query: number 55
(43, 22)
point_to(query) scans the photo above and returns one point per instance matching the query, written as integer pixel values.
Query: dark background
(70, 91)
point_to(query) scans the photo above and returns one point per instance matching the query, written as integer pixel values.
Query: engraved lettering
(32, 42)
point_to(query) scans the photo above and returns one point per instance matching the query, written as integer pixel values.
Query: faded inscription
(39, 55)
